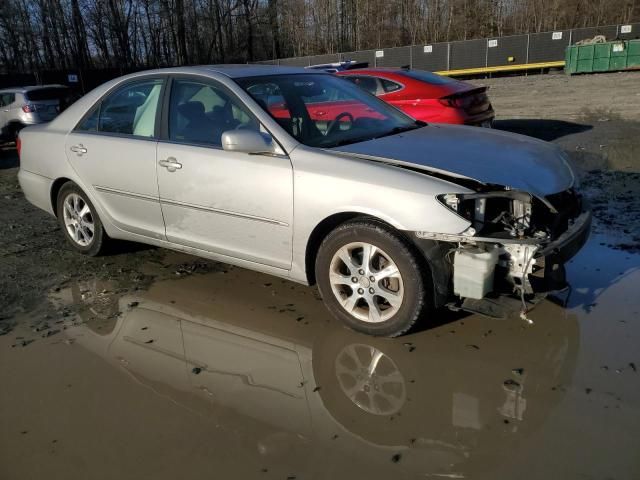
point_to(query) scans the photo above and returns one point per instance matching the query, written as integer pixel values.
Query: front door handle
(171, 164)
(79, 149)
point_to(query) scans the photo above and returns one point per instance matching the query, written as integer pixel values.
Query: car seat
(199, 127)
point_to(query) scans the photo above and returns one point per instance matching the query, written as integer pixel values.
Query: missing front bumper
(570, 242)
(514, 272)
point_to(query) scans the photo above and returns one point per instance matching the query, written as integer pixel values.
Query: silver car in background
(24, 106)
(305, 176)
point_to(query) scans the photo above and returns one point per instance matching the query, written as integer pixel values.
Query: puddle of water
(265, 384)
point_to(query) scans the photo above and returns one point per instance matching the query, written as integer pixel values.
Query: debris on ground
(5, 328)
(410, 346)
(511, 384)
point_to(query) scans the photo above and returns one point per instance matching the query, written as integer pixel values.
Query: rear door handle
(171, 164)
(79, 149)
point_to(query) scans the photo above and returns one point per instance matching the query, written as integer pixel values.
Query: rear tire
(370, 278)
(80, 222)
(13, 131)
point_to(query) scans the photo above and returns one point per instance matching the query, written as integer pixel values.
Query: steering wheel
(335, 121)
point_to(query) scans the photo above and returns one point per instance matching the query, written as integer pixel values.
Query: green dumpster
(602, 57)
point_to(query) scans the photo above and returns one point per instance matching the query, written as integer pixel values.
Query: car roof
(252, 70)
(230, 70)
(355, 71)
(30, 88)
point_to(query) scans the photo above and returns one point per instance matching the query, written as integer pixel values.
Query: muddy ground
(151, 364)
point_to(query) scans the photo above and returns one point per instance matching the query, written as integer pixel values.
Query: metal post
(81, 81)
(448, 56)
(528, 41)
(486, 53)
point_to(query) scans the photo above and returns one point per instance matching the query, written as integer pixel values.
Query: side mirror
(247, 141)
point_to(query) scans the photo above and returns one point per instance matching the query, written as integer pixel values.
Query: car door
(6, 99)
(113, 150)
(230, 203)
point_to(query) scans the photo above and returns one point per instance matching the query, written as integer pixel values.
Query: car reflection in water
(299, 390)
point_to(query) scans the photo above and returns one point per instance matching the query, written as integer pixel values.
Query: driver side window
(200, 112)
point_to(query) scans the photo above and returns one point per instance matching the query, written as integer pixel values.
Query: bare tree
(127, 34)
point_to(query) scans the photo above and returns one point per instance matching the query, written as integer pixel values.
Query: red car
(426, 96)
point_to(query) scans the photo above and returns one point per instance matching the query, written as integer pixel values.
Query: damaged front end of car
(516, 244)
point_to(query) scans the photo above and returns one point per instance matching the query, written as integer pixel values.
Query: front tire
(371, 279)
(79, 221)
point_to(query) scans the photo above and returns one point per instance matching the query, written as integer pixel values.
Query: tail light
(18, 145)
(465, 100)
(28, 108)
(457, 101)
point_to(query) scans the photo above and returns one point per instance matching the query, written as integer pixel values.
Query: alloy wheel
(366, 282)
(370, 379)
(78, 219)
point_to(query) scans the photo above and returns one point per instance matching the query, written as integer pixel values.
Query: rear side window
(130, 110)
(90, 122)
(42, 94)
(390, 86)
(368, 84)
(7, 99)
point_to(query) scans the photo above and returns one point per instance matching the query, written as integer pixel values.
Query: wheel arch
(316, 237)
(11, 125)
(55, 189)
(327, 225)
(430, 253)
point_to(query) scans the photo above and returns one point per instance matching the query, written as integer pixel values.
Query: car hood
(487, 156)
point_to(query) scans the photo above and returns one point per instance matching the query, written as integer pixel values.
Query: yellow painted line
(502, 68)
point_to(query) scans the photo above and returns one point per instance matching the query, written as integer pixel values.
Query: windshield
(51, 93)
(323, 110)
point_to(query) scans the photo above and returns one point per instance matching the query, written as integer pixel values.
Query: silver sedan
(305, 176)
